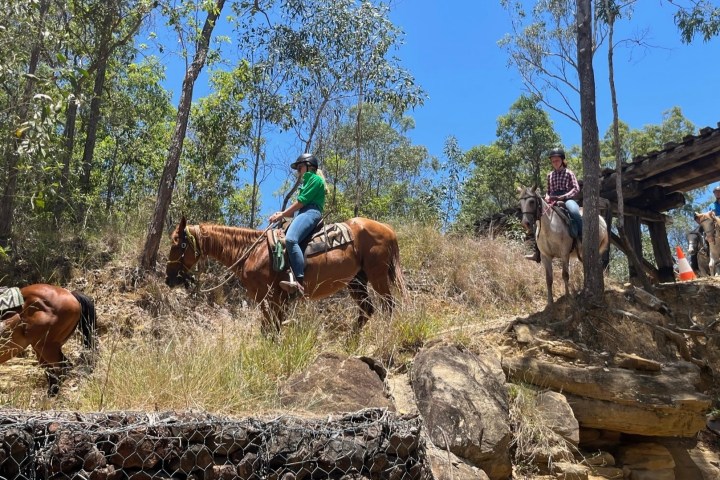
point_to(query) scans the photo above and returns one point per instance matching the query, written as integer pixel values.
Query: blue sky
(451, 49)
(453, 54)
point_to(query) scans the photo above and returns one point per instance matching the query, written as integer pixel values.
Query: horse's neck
(226, 244)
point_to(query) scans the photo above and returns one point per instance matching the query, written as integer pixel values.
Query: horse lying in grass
(45, 317)
(711, 226)
(552, 234)
(373, 257)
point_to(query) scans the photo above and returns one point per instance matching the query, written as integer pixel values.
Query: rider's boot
(535, 256)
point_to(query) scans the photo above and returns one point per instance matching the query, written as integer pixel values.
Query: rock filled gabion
(370, 444)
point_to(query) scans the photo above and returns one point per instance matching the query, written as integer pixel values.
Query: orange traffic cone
(686, 273)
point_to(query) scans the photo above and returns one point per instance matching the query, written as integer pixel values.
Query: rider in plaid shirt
(562, 186)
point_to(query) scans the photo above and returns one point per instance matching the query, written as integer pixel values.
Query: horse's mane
(221, 240)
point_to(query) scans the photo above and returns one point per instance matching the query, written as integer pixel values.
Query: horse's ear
(520, 188)
(697, 217)
(534, 188)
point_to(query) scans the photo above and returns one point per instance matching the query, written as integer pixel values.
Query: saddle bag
(278, 257)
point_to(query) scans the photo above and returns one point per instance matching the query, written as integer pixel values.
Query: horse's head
(184, 253)
(708, 222)
(530, 205)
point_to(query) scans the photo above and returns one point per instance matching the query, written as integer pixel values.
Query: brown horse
(46, 319)
(373, 256)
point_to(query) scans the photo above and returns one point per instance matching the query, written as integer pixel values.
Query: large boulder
(336, 383)
(463, 401)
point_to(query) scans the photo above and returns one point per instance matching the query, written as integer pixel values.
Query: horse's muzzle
(181, 278)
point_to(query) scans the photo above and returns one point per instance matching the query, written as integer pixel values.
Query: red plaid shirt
(562, 183)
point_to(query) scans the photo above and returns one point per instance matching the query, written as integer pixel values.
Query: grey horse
(552, 234)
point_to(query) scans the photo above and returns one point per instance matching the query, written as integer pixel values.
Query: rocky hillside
(625, 389)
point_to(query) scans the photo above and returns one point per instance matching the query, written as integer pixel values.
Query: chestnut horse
(372, 257)
(711, 226)
(46, 320)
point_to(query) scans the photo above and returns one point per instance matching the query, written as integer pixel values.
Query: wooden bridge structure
(655, 183)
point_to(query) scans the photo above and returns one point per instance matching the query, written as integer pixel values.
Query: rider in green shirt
(309, 205)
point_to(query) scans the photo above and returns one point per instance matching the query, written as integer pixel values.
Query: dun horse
(45, 320)
(553, 235)
(372, 257)
(711, 226)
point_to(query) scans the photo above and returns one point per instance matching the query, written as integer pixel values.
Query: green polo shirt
(312, 190)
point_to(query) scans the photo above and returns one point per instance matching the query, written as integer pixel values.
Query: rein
(541, 209)
(228, 271)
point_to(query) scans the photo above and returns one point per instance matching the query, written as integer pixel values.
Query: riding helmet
(557, 152)
(307, 158)
(716, 189)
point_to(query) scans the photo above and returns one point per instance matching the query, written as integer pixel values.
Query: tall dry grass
(166, 349)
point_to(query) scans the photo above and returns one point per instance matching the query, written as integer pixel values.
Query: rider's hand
(275, 217)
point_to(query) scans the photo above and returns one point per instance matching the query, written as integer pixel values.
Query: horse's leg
(55, 363)
(566, 273)
(359, 293)
(12, 339)
(547, 263)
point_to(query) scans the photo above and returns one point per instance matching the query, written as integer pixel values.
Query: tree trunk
(633, 260)
(92, 126)
(594, 285)
(167, 181)
(69, 145)
(7, 205)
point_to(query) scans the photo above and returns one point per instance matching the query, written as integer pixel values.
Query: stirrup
(292, 287)
(535, 257)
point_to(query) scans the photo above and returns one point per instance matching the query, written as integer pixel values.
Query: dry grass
(536, 445)
(171, 349)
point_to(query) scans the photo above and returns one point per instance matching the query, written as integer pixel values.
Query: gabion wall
(370, 444)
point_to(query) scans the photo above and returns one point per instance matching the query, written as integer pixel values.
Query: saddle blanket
(10, 298)
(326, 238)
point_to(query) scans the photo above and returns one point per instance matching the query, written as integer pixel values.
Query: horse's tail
(88, 320)
(395, 270)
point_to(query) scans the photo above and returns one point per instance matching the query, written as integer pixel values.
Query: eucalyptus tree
(340, 53)
(183, 18)
(267, 105)
(218, 131)
(594, 282)
(24, 24)
(133, 136)
(526, 134)
(392, 164)
(696, 17)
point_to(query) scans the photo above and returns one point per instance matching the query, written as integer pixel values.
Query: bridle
(711, 232)
(186, 238)
(540, 209)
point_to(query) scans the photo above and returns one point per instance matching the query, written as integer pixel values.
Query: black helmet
(557, 152)
(307, 158)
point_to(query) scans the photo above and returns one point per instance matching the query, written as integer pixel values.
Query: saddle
(562, 211)
(10, 299)
(321, 240)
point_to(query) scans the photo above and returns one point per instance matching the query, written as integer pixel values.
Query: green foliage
(389, 183)
(700, 18)
(517, 157)
(219, 129)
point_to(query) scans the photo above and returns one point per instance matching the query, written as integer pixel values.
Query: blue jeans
(575, 218)
(302, 225)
